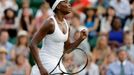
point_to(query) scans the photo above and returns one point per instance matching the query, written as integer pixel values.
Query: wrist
(40, 66)
(80, 39)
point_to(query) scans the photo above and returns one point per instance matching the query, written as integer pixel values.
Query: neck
(118, 0)
(122, 61)
(20, 65)
(22, 45)
(59, 16)
(117, 29)
(102, 47)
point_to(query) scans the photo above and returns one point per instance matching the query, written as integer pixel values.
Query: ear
(58, 6)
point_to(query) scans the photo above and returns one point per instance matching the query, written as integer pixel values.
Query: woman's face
(23, 40)
(103, 42)
(10, 13)
(26, 12)
(2, 55)
(90, 12)
(111, 12)
(21, 59)
(68, 60)
(117, 23)
(75, 22)
(64, 7)
(128, 39)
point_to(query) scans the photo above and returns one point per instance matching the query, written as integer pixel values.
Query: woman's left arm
(70, 46)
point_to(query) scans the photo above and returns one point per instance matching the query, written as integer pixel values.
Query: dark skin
(48, 28)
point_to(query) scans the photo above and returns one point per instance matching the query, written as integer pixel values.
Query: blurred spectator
(101, 50)
(20, 67)
(44, 10)
(25, 5)
(116, 34)
(76, 25)
(4, 63)
(9, 17)
(122, 66)
(92, 20)
(68, 62)
(4, 4)
(107, 20)
(120, 6)
(4, 42)
(91, 69)
(103, 3)
(84, 46)
(128, 45)
(10, 22)
(92, 23)
(79, 6)
(42, 14)
(129, 22)
(15, 6)
(107, 61)
(21, 45)
(27, 22)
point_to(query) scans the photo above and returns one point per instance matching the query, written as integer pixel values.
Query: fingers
(84, 32)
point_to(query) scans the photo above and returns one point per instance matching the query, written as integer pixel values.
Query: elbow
(32, 45)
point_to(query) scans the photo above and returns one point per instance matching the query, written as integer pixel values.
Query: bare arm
(95, 26)
(70, 46)
(47, 28)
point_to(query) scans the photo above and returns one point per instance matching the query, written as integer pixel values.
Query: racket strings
(70, 73)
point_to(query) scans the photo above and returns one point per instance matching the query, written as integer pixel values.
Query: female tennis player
(55, 35)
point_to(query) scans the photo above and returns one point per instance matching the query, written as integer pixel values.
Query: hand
(83, 34)
(43, 71)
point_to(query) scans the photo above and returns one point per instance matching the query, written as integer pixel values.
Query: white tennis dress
(52, 49)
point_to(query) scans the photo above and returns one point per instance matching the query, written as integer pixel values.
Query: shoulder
(130, 63)
(48, 25)
(112, 65)
(49, 21)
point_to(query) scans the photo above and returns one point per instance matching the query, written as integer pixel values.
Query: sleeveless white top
(52, 49)
(53, 44)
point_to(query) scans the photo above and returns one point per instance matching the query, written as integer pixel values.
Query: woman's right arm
(46, 28)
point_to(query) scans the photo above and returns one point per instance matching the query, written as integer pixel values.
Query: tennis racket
(77, 51)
